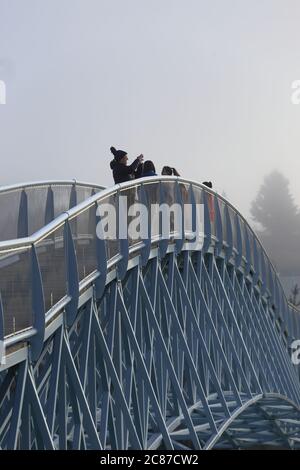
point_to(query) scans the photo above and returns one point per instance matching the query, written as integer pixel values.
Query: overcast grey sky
(202, 85)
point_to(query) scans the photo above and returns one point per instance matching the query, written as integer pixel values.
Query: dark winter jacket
(149, 173)
(122, 173)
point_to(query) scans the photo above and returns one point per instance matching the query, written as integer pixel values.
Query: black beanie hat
(118, 154)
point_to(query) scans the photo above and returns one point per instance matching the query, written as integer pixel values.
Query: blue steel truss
(145, 344)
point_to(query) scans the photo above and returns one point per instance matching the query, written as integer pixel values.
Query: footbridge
(140, 343)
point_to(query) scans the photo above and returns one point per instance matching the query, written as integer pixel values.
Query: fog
(204, 86)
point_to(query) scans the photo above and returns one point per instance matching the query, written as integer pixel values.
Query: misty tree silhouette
(279, 219)
(295, 291)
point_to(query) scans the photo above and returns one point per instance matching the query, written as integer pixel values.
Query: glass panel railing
(169, 198)
(212, 214)
(184, 192)
(9, 215)
(200, 197)
(83, 193)
(16, 288)
(272, 283)
(246, 234)
(152, 192)
(83, 229)
(37, 200)
(61, 196)
(263, 269)
(51, 256)
(129, 200)
(222, 206)
(252, 248)
(267, 272)
(232, 217)
(15, 276)
(103, 218)
(198, 194)
(243, 236)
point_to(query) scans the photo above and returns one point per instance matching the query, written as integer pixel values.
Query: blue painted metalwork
(23, 216)
(142, 344)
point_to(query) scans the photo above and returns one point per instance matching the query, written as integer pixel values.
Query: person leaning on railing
(121, 171)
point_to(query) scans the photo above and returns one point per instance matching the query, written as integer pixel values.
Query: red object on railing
(211, 207)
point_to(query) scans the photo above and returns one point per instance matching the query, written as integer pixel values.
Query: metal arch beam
(276, 427)
(253, 401)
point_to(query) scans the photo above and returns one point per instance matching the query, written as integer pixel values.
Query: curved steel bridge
(140, 344)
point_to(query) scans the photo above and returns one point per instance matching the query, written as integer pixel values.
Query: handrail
(69, 215)
(106, 192)
(109, 191)
(36, 184)
(27, 207)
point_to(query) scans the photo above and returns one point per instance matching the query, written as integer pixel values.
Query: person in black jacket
(121, 171)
